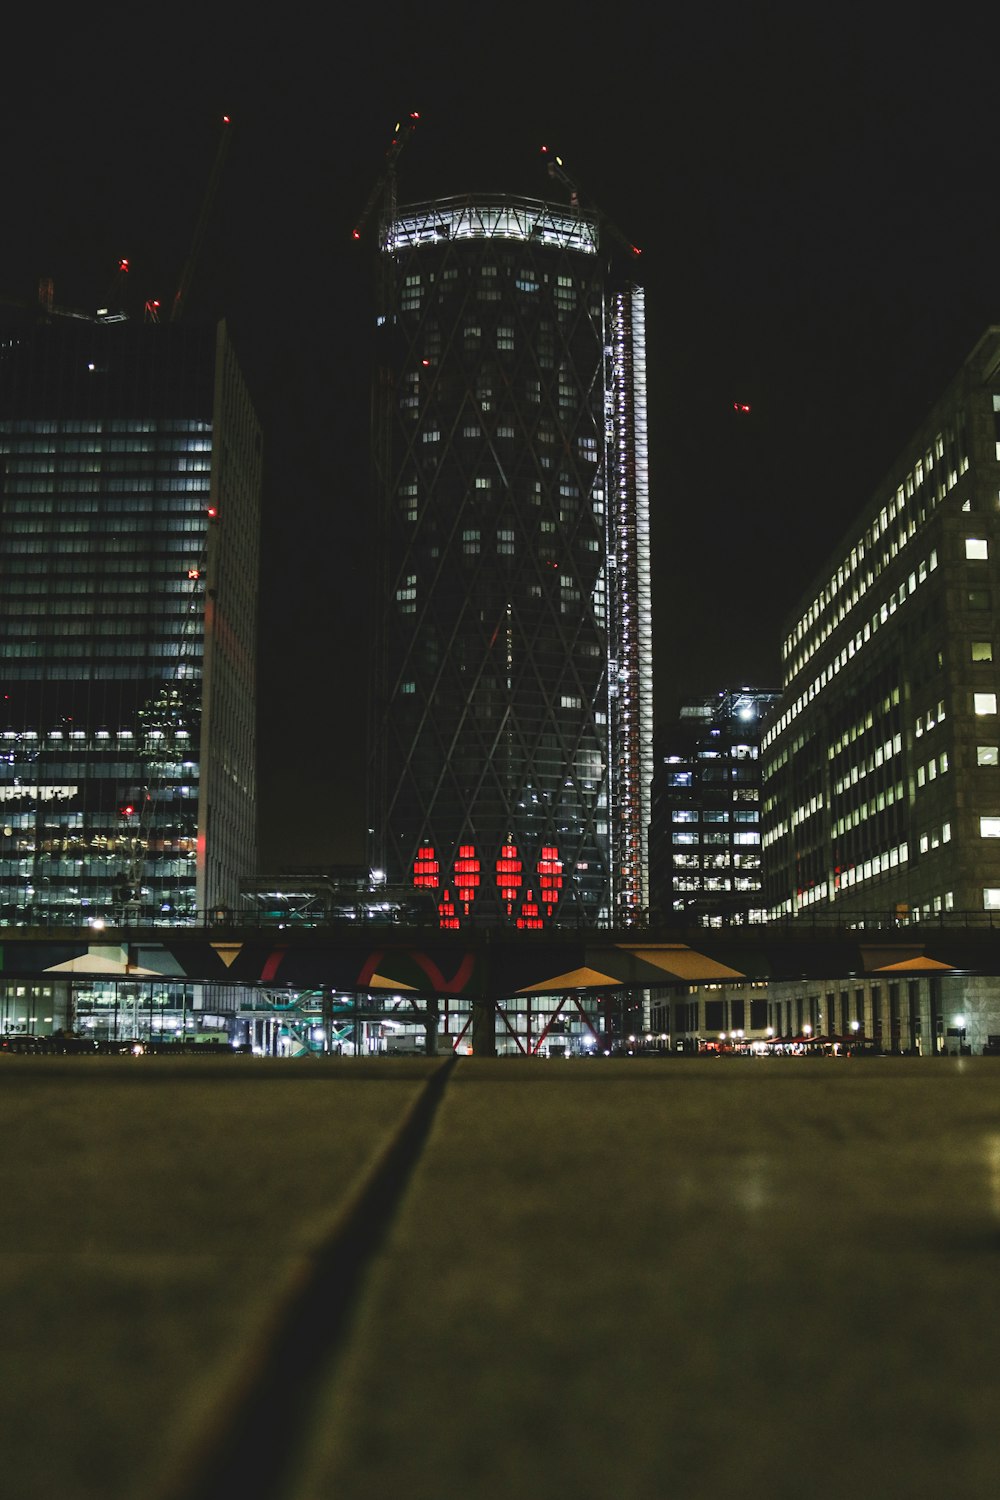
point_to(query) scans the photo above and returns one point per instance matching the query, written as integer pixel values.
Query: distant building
(881, 789)
(513, 736)
(704, 838)
(705, 856)
(130, 474)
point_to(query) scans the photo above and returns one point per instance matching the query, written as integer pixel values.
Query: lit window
(991, 898)
(976, 548)
(984, 703)
(989, 828)
(987, 755)
(407, 595)
(982, 650)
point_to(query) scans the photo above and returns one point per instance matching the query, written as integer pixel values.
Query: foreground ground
(580, 1279)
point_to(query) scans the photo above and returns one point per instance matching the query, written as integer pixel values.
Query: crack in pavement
(254, 1433)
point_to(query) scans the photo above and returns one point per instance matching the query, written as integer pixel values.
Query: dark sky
(816, 196)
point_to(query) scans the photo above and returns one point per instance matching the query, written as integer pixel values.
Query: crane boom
(558, 173)
(384, 191)
(208, 202)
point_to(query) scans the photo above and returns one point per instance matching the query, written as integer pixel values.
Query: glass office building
(705, 838)
(512, 745)
(130, 469)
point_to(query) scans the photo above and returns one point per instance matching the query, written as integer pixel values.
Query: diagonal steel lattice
(505, 677)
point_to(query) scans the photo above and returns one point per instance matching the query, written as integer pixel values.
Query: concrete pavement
(629, 1278)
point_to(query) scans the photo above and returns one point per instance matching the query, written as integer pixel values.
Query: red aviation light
(426, 870)
(194, 574)
(743, 407)
(213, 512)
(127, 810)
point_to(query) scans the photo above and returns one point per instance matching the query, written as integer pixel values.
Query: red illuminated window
(549, 877)
(531, 917)
(467, 873)
(426, 870)
(508, 868)
(446, 911)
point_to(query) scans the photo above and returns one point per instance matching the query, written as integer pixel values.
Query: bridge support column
(326, 1013)
(431, 1013)
(484, 1029)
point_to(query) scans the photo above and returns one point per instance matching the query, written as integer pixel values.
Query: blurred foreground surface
(617, 1278)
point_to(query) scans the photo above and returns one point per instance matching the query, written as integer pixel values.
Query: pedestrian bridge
(485, 965)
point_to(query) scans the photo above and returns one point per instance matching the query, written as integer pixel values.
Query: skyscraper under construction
(512, 742)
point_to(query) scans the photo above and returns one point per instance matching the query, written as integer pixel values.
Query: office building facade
(130, 473)
(881, 769)
(512, 738)
(704, 837)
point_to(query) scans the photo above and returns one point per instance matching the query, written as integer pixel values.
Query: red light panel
(467, 873)
(550, 877)
(508, 872)
(446, 911)
(426, 870)
(530, 918)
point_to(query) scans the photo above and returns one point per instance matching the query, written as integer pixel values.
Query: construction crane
(208, 203)
(384, 191)
(114, 312)
(557, 172)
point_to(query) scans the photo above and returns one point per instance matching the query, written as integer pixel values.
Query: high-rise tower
(512, 743)
(130, 471)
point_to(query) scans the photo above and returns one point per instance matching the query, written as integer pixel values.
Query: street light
(960, 1027)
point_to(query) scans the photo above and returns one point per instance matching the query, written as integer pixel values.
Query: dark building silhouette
(512, 740)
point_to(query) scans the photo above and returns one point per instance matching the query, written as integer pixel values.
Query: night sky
(816, 197)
